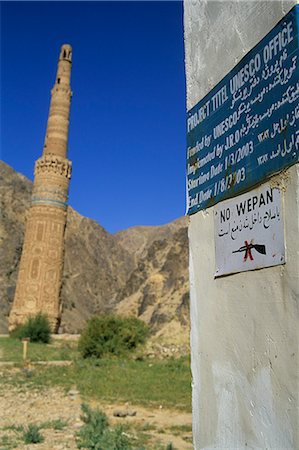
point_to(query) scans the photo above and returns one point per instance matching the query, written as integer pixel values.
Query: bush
(37, 328)
(97, 435)
(111, 334)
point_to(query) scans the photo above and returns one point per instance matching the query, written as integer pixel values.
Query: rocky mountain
(15, 193)
(137, 239)
(157, 290)
(95, 268)
(141, 270)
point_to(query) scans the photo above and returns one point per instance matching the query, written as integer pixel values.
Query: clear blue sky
(127, 131)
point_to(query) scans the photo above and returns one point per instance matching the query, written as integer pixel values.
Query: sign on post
(245, 129)
(249, 231)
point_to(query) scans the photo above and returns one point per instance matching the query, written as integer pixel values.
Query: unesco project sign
(245, 129)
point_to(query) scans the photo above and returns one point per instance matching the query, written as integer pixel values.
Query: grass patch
(11, 349)
(147, 427)
(7, 442)
(57, 424)
(147, 382)
(27, 434)
(177, 430)
(16, 428)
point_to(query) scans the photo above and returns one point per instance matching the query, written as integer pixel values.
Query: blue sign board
(245, 129)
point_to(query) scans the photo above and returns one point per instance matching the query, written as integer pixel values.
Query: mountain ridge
(142, 270)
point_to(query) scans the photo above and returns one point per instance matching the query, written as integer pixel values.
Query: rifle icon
(248, 247)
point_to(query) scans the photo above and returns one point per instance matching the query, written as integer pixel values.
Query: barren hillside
(141, 270)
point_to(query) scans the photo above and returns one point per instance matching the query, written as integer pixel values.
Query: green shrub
(115, 439)
(170, 446)
(32, 435)
(111, 334)
(37, 328)
(95, 433)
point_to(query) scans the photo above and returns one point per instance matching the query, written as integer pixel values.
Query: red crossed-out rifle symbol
(248, 247)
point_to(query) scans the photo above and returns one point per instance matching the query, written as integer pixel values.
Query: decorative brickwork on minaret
(39, 279)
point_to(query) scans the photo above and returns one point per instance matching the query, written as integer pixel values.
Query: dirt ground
(19, 407)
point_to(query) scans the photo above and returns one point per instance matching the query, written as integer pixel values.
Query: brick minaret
(40, 272)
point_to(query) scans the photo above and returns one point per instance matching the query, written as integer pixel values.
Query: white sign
(249, 231)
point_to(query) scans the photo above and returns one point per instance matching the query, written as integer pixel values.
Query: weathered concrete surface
(243, 327)
(219, 33)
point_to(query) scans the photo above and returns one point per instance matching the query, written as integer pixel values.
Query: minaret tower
(40, 273)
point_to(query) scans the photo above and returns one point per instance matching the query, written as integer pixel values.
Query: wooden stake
(25, 342)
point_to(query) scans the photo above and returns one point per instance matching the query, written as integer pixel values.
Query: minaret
(40, 272)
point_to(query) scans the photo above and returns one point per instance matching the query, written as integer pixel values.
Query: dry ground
(21, 407)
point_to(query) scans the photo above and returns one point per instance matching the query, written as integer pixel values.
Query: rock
(120, 413)
(73, 392)
(123, 413)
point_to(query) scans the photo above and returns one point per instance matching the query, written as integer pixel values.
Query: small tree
(111, 334)
(37, 328)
